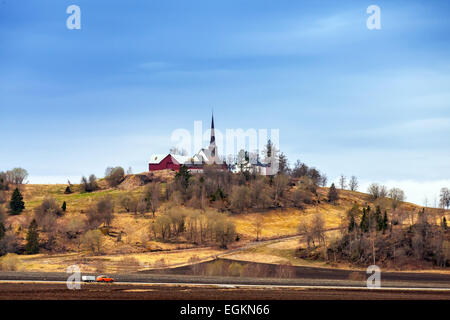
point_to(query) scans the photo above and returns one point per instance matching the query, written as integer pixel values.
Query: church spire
(212, 143)
(213, 137)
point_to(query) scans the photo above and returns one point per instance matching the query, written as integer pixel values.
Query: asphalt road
(305, 276)
(138, 291)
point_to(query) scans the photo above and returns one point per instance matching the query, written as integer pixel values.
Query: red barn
(194, 164)
(168, 161)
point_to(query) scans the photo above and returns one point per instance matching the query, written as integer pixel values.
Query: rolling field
(137, 251)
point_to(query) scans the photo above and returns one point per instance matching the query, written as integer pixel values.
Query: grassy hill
(137, 250)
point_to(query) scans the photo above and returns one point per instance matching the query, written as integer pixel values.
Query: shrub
(216, 268)
(128, 202)
(301, 197)
(92, 241)
(89, 185)
(47, 213)
(102, 212)
(9, 262)
(333, 194)
(114, 176)
(9, 243)
(235, 269)
(2, 197)
(73, 227)
(240, 198)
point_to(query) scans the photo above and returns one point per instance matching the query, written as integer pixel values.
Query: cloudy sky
(370, 103)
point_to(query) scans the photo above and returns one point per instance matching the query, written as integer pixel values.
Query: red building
(169, 161)
(194, 164)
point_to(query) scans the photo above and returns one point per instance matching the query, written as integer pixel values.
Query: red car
(104, 279)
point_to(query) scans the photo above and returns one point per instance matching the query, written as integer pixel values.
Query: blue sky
(370, 103)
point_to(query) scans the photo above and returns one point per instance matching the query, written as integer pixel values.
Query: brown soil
(39, 291)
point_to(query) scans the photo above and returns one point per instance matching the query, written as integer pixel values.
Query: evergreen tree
(32, 245)
(269, 149)
(369, 219)
(183, 176)
(16, 204)
(2, 230)
(444, 223)
(64, 206)
(68, 191)
(378, 219)
(283, 165)
(333, 194)
(385, 221)
(364, 225)
(351, 224)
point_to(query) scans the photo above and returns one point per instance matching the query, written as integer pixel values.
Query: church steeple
(212, 143)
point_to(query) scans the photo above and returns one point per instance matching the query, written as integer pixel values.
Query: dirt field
(38, 291)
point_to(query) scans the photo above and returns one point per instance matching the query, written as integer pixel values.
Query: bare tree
(92, 240)
(258, 225)
(152, 196)
(280, 184)
(318, 228)
(445, 198)
(353, 184)
(47, 213)
(102, 212)
(105, 209)
(377, 191)
(128, 202)
(16, 176)
(343, 182)
(323, 180)
(4, 183)
(240, 198)
(177, 151)
(397, 196)
(305, 230)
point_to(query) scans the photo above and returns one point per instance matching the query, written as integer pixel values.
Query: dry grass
(113, 263)
(137, 251)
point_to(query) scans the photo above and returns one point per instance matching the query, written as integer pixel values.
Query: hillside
(136, 248)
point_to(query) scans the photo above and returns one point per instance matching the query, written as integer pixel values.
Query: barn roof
(157, 158)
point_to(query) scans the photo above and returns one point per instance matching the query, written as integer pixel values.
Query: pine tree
(385, 221)
(364, 225)
(16, 204)
(183, 175)
(32, 245)
(333, 194)
(2, 230)
(352, 224)
(68, 191)
(444, 223)
(64, 206)
(378, 219)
